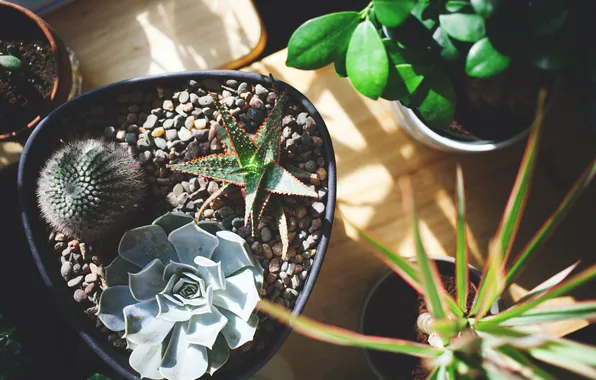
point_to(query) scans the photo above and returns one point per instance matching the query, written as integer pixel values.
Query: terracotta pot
(64, 83)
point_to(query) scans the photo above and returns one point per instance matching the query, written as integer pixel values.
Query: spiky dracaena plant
(472, 343)
(87, 187)
(253, 164)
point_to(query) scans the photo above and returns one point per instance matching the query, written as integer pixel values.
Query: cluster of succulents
(88, 187)
(184, 294)
(253, 164)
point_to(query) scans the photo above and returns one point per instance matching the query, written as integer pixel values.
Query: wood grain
(372, 153)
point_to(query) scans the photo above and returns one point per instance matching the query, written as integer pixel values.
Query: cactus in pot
(87, 187)
(184, 293)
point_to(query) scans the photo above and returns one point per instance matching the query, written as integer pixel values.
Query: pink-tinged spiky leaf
(461, 258)
(241, 142)
(562, 289)
(222, 167)
(511, 218)
(273, 121)
(279, 181)
(434, 293)
(282, 223)
(269, 149)
(222, 190)
(578, 310)
(553, 281)
(342, 337)
(297, 172)
(225, 139)
(523, 361)
(574, 357)
(492, 283)
(253, 183)
(549, 226)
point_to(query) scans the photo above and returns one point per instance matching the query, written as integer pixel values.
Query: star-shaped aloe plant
(252, 163)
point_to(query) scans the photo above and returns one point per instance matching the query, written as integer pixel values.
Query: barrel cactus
(184, 293)
(87, 187)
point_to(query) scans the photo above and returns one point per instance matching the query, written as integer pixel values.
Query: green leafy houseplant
(253, 164)
(471, 342)
(407, 50)
(184, 295)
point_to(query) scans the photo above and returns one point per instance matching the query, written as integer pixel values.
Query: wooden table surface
(372, 152)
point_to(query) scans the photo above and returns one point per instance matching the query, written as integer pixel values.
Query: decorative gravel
(161, 126)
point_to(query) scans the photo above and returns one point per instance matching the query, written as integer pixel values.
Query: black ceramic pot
(390, 310)
(39, 148)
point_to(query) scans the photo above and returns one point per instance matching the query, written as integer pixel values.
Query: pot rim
(56, 51)
(387, 272)
(35, 229)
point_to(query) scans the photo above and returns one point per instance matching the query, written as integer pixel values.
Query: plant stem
(364, 12)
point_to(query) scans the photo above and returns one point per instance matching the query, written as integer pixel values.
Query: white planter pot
(419, 131)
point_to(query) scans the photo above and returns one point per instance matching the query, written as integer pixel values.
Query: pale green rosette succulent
(184, 293)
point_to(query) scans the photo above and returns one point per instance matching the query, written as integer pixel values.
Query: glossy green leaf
(463, 27)
(321, 40)
(560, 290)
(578, 310)
(549, 226)
(485, 8)
(484, 60)
(421, 11)
(10, 62)
(461, 256)
(340, 66)
(437, 100)
(448, 50)
(456, 5)
(411, 76)
(396, 88)
(342, 337)
(434, 293)
(392, 13)
(367, 63)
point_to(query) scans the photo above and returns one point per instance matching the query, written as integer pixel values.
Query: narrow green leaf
(436, 99)
(560, 290)
(485, 8)
(449, 328)
(321, 40)
(10, 62)
(367, 64)
(511, 218)
(553, 281)
(219, 167)
(492, 283)
(463, 27)
(520, 357)
(456, 5)
(545, 231)
(461, 258)
(574, 357)
(484, 60)
(342, 337)
(438, 373)
(279, 181)
(392, 13)
(579, 310)
(434, 293)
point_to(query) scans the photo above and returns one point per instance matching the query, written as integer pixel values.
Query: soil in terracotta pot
(22, 98)
(495, 108)
(392, 312)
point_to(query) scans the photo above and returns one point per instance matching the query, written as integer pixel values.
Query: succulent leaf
(219, 355)
(173, 310)
(191, 241)
(182, 360)
(253, 182)
(282, 225)
(211, 272)
(143, 244)
(203, 329)
(232, 253)
(172, 221)
(147, 283)
(222, 167)
(142, 325)
(116, 273)
(273, 122)
(297, 172)
(9, 62)
(241, 295)
(146, 360)
(111, 303)
(279, 181)
(238, 331)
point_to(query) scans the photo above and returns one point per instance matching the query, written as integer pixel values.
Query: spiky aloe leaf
(282, 223)
(461, 257)
(244, 147)
(279, 181)
(562, 289)
(297, 172)
(268, 150)
(222, 167)
(222, 190)
(252, 182)
(274, 119)
(434, 293)
(342, 337)
(548, 227)
(578, 310)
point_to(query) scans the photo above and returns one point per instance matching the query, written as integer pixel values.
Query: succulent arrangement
(184, 294)
(406, 50)
(252, 163)
(88, 187)
(470, 342)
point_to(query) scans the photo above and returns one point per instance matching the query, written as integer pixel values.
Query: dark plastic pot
(377, 303)
(39, 148)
